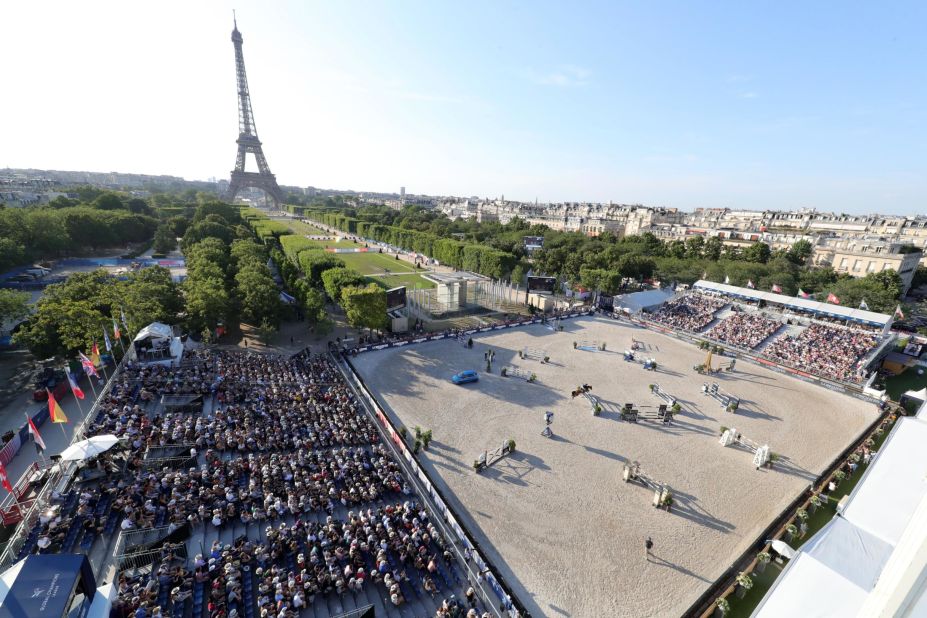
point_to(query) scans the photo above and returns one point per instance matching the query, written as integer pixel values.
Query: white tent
(870, 560)
(102, 601)
(636, 301)
(157, 344)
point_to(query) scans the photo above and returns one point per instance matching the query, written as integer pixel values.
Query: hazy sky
(739, 104)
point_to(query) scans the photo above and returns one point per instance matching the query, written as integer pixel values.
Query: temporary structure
(88, 448)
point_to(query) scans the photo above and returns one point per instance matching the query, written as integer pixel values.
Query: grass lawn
(375, 263)
(411, 281)
(907, 381)
(298, 227)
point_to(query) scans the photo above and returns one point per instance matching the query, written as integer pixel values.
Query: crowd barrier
(485, 572)
(456, 333)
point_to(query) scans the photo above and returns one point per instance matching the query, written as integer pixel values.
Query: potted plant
(426, 439)
(403, 432)
(511, 445)
(773, 458)
(744, 583)
(790, 532)
(676, 408)
(503, 372)
(477, 466)
(815, 503)
(417, 446)
(668, 503)
(418, 432)
(762, 559)
(596, 410)
(532, 377)
(839, 475)
(723, 606)
(854, 458)
(602, 346)
(722, 429)
(802, 514)
(652, 387)
(574, 345)
(521, 354)
(546, 359)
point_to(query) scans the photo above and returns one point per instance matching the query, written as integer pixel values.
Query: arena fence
(480, 572)
(398, 343)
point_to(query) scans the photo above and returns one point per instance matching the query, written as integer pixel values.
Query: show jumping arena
(566, 532)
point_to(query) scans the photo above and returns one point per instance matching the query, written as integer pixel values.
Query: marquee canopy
(869, 560)
(870, 318)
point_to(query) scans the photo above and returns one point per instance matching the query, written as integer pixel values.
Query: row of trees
(37, 233)
(603, 262)
(71, 315)
(227, 274)
(471, 256)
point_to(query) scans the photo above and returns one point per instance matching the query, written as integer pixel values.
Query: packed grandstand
(830, 350)
(294, 506)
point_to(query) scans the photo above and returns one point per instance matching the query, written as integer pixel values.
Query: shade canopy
(89, 447)
(783, 549)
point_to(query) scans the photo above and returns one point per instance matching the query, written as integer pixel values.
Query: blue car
(465, 376)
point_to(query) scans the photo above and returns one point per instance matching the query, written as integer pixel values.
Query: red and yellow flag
(95, 355)
(54, 409)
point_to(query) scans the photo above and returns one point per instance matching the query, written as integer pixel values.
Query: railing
(354, 613)
(65, 471)
(502, 602)
(141, 559)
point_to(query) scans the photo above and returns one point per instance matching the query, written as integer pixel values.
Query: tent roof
(640, 300)
(155, 330)
(859, 556)
(802, 304)
(42, 585)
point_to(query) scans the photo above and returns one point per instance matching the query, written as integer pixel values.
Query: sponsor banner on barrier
(470, 332)
(420, 340)
(399, 344)
(379, 347)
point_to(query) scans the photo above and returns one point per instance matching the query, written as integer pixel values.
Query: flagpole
(92, 387)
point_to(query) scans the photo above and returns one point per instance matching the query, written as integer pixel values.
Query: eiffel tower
(248, 139)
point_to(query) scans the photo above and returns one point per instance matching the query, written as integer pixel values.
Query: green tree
(258, 295)
(758, 252)
(108, 201)
(694, 247)
(365, 307)
(636, 266)
(164, 239)
(800, 252)
(13, 305)
(207, 302)
(314, 263)
(713, 248)
(336, 279)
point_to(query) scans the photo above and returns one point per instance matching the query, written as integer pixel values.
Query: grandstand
(829, 341)
(268, 487)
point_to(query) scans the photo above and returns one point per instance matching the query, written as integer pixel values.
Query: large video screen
(533, 241)
(396, 298)
(542, 284)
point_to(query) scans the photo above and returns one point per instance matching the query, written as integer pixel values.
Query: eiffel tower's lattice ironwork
(248, 138)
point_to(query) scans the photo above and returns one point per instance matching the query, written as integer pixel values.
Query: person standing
(648, 546)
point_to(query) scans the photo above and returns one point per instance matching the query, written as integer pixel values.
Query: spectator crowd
(744, 330)
(691, 312)
(830, 351)
(277, 450)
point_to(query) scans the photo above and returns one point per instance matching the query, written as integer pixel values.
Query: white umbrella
(89, 447)
(783, 549)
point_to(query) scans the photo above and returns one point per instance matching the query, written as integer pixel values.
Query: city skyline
(730, 107)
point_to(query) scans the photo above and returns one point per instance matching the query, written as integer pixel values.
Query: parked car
(21, 278)
(464, 377)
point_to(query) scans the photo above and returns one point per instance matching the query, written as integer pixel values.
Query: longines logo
(37, 592)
